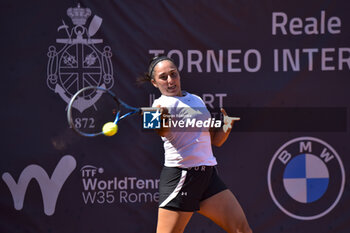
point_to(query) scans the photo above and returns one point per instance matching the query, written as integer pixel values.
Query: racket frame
(118, 116)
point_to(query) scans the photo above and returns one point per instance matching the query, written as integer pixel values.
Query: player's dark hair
(155, 61)
(148, 76)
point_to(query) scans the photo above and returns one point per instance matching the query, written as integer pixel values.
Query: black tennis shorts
(182, 189)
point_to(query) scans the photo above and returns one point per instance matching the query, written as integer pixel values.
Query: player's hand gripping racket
(103, 119)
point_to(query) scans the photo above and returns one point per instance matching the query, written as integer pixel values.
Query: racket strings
(87, 122)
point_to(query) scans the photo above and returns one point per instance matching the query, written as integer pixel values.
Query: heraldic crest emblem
(79, 63)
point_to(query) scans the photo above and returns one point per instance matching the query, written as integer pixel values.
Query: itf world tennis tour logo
(306, 178)
(79, 63)
(151, 119)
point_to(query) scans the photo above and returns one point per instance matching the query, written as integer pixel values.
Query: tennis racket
(104, 113)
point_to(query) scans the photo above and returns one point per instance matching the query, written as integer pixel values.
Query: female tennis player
(189, 180)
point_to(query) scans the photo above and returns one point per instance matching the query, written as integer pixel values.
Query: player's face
(166, 78)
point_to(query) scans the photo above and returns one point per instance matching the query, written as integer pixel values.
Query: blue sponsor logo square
(151, 120)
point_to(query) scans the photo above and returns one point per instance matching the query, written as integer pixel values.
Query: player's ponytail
(145, 78)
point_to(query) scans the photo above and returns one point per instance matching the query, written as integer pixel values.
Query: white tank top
(187, 147)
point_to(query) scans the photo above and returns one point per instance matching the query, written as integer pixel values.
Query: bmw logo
(306, 178)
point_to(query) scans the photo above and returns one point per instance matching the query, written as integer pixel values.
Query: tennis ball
(109, 129)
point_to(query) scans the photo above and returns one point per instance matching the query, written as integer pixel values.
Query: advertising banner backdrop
(281, 66)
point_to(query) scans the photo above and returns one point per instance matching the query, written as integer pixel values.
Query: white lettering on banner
(87, 172)
(310, 55)
(284, 59)
(251, 60)
(98, 190)
(284, 156)
(208, 99)
(330, 59)
(231, 60)
(217, 62)
(192, 123)
(180, 56)
(115, 184)
(126, 197)
(342, 59)
(50, 187)
(257, 56)
(326, 59)
(309, 25)
(194, 62)
(326, 155)
(99, 197)
(305, 147)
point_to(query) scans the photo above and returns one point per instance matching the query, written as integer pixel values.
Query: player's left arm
(219, 136)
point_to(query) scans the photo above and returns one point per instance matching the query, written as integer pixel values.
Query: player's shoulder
(164, 101)
(195, 97)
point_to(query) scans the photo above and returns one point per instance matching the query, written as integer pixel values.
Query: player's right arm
(219, 136)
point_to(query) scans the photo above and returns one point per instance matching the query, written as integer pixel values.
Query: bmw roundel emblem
(306, 178)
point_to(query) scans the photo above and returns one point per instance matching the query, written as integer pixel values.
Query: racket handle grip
(148, 109)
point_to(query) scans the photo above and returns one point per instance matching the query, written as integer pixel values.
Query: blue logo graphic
(151, 120)
(306, 178)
